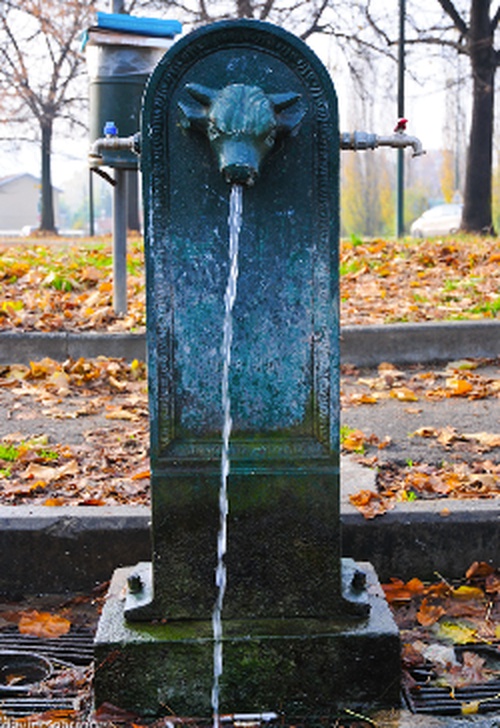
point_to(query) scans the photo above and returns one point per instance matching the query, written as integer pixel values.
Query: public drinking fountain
(303, 630)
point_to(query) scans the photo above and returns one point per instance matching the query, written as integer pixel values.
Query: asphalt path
(399, 420)
(388, 418)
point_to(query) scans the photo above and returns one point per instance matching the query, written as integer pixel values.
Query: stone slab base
(300, 668)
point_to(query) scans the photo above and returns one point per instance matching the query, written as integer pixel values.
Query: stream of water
(235, 218)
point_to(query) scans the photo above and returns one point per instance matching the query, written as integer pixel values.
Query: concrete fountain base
(302, 668)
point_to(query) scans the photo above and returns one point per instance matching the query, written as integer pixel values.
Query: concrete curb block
(21, 348)
(419, 343)
(54, 550)
(360, 345)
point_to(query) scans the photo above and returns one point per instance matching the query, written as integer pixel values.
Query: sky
(70, 155)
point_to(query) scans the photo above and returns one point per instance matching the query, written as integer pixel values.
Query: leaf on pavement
(43, 624)
(458, 387)
(120, 413)
(404, 394)
(48, 473)
(429, 614)
(370, 504)
(458, 632)
(399, 591)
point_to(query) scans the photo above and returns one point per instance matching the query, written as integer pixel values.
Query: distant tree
(40, 66)
(367, 199)
(304, 17)
(448, 175)
(467, 28)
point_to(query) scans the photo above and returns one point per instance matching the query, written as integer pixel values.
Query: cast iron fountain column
(247, 103)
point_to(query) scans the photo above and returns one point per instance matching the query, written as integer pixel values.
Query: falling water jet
(234, 221)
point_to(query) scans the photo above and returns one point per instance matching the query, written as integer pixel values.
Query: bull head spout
(242, 124)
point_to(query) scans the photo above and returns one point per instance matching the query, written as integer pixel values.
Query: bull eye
(212, 132)
(270, 139)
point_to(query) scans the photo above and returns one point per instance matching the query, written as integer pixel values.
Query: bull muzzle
(239, 161)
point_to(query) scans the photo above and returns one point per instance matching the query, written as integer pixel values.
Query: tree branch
(450, 10)
(495, 20)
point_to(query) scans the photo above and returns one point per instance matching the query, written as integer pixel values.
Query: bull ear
(194, 112)
(193, 115)
(287, 118)
(204, 94)
(284, 100)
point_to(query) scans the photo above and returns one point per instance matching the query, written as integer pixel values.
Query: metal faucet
(359, 140)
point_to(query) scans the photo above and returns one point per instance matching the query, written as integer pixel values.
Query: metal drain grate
(441, 701)
(423, 697)
(74, 650)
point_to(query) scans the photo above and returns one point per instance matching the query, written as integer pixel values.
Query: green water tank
(122, 52)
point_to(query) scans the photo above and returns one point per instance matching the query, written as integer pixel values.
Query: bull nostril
(240, 174)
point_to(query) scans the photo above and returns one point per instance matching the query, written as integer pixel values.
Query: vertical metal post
(117, 6)
(91, 204)
(400, 191)
(120, 242)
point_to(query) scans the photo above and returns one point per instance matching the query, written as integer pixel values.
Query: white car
(439, 220)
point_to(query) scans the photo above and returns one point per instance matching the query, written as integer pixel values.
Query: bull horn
(203, 94)
(284, 100)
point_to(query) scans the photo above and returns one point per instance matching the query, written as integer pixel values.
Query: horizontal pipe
(360, 140)
(114, 143)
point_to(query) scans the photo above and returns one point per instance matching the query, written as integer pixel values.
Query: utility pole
(400, 191)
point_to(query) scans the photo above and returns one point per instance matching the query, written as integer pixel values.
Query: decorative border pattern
(280, 44)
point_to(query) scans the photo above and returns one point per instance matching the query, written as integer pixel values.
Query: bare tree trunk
(47, 222)
(476, 216)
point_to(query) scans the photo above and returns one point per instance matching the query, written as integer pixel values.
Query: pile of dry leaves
(89, 428)
(450, 634)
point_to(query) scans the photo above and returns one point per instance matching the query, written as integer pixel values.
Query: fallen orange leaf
(43, 624)
(399, 591)
(459, 387)
(354, 441)
(370, 504)
(429, 614)
(142, 475)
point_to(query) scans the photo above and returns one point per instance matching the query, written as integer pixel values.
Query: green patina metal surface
(288, 608)
(283, 524)
(306, 669)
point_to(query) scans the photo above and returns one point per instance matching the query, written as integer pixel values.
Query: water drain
(33, 672)
(21, 671)
(422, 696)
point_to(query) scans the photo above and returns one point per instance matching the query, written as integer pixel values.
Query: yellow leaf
(404, 394)
(470, 708)
(354, 441)
(60, 381)
(467, 592)
(460, 633)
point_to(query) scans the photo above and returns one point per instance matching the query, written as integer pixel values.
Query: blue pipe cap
(110, 129)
